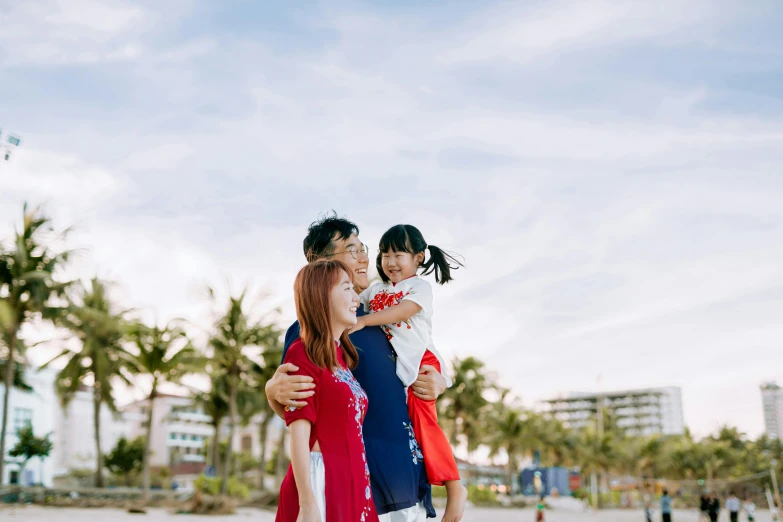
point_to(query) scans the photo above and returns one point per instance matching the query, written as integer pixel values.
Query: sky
(610, 171)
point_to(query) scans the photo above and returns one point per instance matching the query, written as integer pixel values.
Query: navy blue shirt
(397, 472)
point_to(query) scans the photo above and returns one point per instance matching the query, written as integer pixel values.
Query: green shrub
(580, 494)
(211, 486)
(438, 492)
(207, 485)
(482, 496)
(237, 489)
(478, 496)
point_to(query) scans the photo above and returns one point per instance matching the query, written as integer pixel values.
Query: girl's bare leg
(457, 495)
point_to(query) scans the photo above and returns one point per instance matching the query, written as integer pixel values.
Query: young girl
(328, 479)
(402, 307)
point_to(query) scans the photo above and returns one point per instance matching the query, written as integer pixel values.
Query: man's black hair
(321, 233)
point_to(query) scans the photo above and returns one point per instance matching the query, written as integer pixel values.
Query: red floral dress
(336, 413)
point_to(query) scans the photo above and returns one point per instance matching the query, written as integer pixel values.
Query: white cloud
(521, 33)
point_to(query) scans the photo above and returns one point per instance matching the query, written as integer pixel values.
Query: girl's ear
(420, 258)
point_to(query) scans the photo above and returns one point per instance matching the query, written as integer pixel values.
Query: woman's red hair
(312, 289)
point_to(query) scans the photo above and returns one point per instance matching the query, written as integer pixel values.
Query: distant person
(733, 507)
(750, 509)
(713, 507)
(704, 507)
(666, 507)
(648, 511)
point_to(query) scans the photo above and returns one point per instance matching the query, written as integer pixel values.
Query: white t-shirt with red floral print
(411, 338)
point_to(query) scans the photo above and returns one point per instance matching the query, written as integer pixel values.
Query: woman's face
(343, 302)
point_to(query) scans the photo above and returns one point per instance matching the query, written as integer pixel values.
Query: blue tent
(550, 478)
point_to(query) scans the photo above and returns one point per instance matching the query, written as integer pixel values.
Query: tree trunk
(280, 469)
(8, 380)
(147, 442)
(97, 427)
(510, 478)
(232, 423)
(454, 435)
(604, 487)
(216, 449)
(262, 436)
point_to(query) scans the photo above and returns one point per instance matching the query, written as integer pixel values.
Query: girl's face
(343, 302)
(400, 265)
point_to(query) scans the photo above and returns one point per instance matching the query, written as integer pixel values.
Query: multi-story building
(38, 409)
(772, 400)
(180, 430)
(180, 435)
(640, 412)
(75, 433)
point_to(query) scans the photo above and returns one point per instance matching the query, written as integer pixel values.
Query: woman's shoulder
(296, 353)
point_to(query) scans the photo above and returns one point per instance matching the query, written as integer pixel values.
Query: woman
(713, 507)
(328, 479)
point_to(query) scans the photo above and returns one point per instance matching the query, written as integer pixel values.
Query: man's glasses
(354, 251)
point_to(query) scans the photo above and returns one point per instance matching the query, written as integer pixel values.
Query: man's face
(358, 266)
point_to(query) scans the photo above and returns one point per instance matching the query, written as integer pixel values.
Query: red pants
(438, 456)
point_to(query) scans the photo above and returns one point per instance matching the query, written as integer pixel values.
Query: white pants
(415, 513)
(318, 481)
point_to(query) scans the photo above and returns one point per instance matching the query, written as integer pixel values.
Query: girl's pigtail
(442, 263)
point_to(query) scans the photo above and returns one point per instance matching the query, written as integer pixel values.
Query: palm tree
(214, 403)
(600, 454)
(463, 405)
(271, 355)
(515, 431)
(92, 318)
(280, 465)
(18, 380)
(647, 457)
(233, 333)
(29, 288)
(507, 430)
(166, 355)
(558, 443)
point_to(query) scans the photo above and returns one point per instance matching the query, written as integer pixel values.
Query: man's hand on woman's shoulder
(430, 384)
(289, 390)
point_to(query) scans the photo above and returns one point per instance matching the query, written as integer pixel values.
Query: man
(666, 507)
(397, 474)
(733, 507)
(704, 502)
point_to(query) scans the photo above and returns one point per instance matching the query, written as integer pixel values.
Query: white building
(179, 430)
(248, 438)
(640, 412)
(37, 408)
(75, 435)
(772, 400)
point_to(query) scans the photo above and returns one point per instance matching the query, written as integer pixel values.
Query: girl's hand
(309, 513)
(358, 326)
